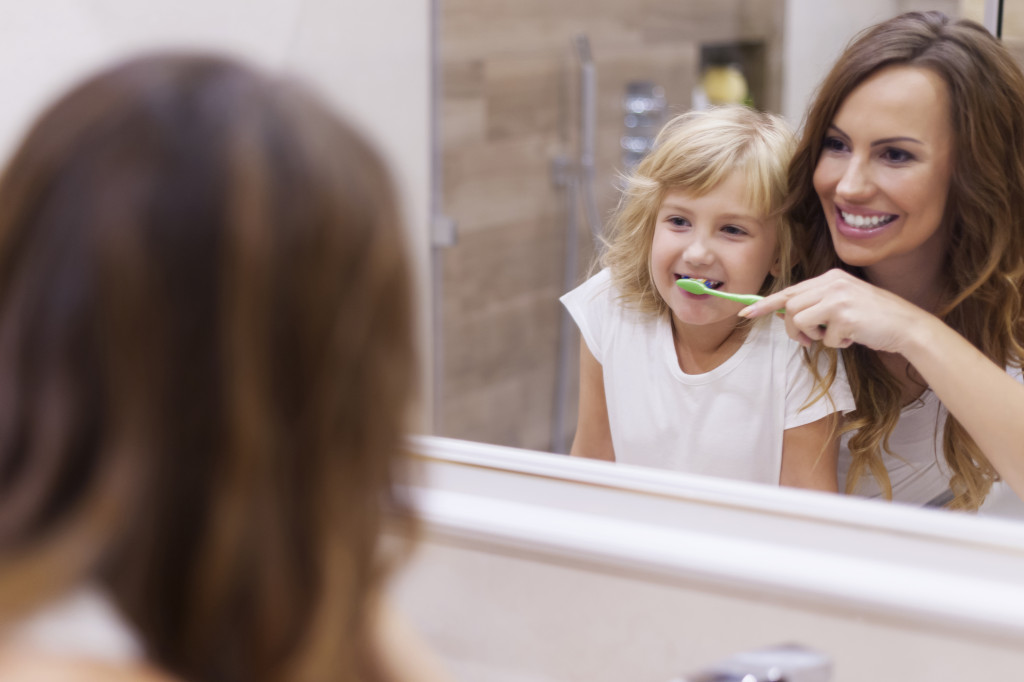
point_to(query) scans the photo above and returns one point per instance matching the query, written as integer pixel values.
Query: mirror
(512, 131)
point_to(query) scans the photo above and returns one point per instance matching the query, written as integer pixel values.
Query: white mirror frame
(913, 573)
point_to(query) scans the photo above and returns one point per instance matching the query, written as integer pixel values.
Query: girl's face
(718, 237)
(884, 172)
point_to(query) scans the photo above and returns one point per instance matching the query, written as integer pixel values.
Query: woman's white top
(917, 464)
(85, 623)
(917, 469)
(728, 422)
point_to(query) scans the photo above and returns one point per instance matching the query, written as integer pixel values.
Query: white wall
(371, 59)
(816, 31)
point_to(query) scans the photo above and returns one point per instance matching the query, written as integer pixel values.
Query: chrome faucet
(785, 663)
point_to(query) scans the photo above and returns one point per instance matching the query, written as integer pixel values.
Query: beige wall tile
(510, 109)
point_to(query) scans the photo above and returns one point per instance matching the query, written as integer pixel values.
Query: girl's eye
(734, 230)
(833, 144)
(678, 221)
(894, 155)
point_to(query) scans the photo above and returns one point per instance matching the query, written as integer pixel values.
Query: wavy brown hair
(206, 339)
(982, 299)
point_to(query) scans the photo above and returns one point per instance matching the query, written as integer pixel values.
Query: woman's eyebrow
(885, 140)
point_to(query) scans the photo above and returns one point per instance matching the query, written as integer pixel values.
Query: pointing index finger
(769, 304)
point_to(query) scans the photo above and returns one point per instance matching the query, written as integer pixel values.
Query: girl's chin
(689, 317)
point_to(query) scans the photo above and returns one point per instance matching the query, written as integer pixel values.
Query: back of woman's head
(206, 344)
(695, 152)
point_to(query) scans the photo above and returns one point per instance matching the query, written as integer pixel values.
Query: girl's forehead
(735, 188)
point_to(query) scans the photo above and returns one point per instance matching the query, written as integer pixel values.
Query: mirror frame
(955, 572)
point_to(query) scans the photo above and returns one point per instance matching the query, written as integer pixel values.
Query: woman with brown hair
(206, 352)
(907, 190)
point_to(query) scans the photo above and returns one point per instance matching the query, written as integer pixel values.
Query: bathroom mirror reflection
(540, 107)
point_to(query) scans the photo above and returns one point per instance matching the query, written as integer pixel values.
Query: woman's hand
(986, 400)
(839, 309)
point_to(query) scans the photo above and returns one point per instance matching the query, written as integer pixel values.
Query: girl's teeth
(709, 283)
(866, 221)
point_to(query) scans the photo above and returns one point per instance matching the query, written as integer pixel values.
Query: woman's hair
(206, 344)
(984, 214)
(695, 152)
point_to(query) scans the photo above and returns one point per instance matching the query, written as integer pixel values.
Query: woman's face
(884, 172)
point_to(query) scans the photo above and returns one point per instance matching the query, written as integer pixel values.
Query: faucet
(783, 663)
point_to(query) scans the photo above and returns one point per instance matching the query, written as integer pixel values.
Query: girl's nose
(855, 183)
(699, 252)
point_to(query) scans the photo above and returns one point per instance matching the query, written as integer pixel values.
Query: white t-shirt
(728, 422)
(83, 623)
(917, 470)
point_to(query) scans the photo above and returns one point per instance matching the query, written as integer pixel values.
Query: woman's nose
(856, 182)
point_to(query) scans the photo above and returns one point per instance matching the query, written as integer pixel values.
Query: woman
(908, 190)
(206, 344)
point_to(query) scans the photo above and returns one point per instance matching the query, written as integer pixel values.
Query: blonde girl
(675, 380)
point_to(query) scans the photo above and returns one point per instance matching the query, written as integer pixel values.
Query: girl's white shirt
(728, 422)
(84, 623)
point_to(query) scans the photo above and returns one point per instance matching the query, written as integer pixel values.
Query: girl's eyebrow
(741, 217)
(884, 140)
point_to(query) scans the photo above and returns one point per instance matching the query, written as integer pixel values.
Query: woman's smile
(862, 225)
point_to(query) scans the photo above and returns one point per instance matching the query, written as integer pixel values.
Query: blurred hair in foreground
(206, 352)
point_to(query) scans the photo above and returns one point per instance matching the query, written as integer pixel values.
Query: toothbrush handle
(749, 299)
(745, 299)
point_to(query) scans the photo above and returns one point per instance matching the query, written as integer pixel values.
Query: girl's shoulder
(596, 285)
(599, 295)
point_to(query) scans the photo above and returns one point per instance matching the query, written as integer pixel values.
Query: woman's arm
(986, 401)
(593, 434)
(809, 455)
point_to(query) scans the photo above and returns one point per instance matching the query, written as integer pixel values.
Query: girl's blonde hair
(983, 298)
(695, 152)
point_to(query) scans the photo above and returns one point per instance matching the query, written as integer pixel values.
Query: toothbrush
(697, 286)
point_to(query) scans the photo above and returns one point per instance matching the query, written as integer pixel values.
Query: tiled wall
(509, 109)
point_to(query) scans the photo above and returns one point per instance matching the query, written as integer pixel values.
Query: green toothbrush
(697, 286)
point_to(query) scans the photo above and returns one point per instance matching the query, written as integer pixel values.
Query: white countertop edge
(868, 514)
(920, 594)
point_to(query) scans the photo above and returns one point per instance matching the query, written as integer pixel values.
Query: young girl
(675, 380)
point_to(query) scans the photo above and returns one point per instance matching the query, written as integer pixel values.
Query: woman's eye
(897, 155)
(833, 144)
